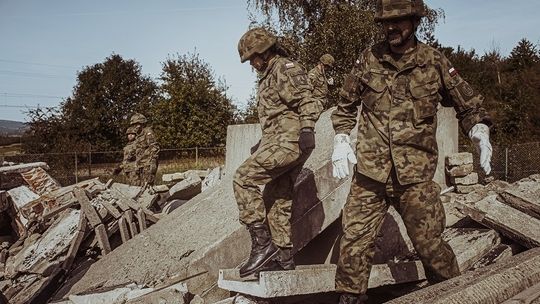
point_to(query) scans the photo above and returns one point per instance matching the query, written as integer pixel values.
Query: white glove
(330, 81)
(479, 134)
(342, 156)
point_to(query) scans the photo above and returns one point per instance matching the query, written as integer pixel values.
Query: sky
(44, 43)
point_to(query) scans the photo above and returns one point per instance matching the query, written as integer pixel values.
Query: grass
(10, 150)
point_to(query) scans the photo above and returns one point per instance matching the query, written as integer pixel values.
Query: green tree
(105, 96)
(194, 109)
(523, 56)
(342, 28)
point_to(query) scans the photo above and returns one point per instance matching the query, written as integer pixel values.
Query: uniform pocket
(426, 99)
(374, 89)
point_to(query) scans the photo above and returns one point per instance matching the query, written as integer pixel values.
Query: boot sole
(258, 269)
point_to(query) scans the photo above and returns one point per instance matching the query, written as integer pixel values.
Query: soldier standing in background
(287, 114)
(147, 150)
(319, 79)
(129, 161)
(398, 83)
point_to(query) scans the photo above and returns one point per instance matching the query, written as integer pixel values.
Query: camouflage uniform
(147, 150)
(318, 80)
(129, 165)
(285, 105)
(397, 154)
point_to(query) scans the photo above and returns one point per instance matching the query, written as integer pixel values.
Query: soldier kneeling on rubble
(287, 113)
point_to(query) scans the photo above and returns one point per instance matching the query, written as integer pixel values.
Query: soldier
(287, 114)
(398, 83)
(319, 80)
(147, 150)
(128, 165)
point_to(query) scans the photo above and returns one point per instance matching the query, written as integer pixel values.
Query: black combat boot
(285, 259)
(351, 298)
(263, 251)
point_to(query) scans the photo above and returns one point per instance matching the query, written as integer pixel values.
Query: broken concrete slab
(493, 214)
(468, 180)
(41, 255)
(179, 176)
(524, 195)
(174, 294)
(492, 284)
(530, 295)
(40, 181)
(186, 189)
(23, 167)
(466, 189)
(452, 211)
(499, 253)
(240, 139)
(22, 196)
(212, 179)
(462, 170)
(470, 245)
(459, 159)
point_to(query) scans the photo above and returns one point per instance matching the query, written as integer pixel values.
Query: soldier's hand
(307, 139)
(343, 155)
(479, 134)
(117, 171)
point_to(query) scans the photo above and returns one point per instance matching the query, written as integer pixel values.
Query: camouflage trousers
(276, 166)
(133, 178)
(422, 212)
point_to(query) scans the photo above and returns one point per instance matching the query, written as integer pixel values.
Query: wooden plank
(89, 211)
(103, 239)
(513, 223)
(141, 217)
(522, 202)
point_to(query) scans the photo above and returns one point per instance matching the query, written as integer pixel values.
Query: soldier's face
(257, 62)
(131, 136)
(398, 31)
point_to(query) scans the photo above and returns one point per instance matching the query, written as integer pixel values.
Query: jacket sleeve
(152, 150)
(344, 117)
(460, 95)
(295, 89)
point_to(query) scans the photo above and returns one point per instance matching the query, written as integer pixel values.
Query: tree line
(188, 106)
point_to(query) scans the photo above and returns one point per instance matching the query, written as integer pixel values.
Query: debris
(187, 188)
(212, 179)
(459, 159)
(21, 168)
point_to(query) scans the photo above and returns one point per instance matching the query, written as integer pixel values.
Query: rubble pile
(49, 233)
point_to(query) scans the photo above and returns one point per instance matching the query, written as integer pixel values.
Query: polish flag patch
(453, 72)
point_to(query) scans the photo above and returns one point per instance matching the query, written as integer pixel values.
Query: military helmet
(327, 59)
(391, 9)
(137, 119)
(131, 130)
(255, 41)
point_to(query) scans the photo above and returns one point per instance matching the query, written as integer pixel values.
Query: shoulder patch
(452, 71)
(289, 65)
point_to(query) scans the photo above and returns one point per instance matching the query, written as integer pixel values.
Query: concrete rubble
(49, 231)
(96, 242)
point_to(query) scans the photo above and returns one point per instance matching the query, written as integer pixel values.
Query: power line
(32, 74)
(36, 63)
(23, 95)
(23, 106)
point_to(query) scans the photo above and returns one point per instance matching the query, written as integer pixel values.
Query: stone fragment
(186, 189)
(470, 244)
(462, 170)
(458, 159)
(468, 180)
(463, 189)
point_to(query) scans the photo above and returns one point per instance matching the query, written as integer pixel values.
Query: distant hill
(10, 127)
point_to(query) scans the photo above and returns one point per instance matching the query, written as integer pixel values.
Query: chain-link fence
(510, 163)
(70, 168)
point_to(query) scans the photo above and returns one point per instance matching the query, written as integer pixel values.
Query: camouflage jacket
(130, 157)
(320, 84)
(398, 121)
(284, 101)
(146, 147)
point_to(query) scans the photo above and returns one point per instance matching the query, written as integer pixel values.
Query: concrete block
(451, 209)
(212, 179)
(466, 189)
(103, 239)
(186, 189)
(458, 159)
(516, 225)
(524, 195)
(240, 139)
(499, 253)
(23, 167)
(468, 180)
(470, 245)
(462, 170)
(492, 284)
(169, 295)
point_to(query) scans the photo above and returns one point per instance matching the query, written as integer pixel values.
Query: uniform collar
(269, 67)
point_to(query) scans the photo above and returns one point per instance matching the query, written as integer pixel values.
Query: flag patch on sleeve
(453, 72)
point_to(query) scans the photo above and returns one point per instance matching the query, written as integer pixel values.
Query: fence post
(89, 163)
(506, 164)
(196, 156)
(76, 169)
